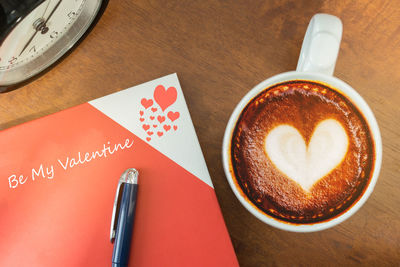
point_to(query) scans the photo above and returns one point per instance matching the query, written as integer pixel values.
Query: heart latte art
(301, 152)
(287, 149)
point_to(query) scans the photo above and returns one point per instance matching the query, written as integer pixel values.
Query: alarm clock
(34, 34)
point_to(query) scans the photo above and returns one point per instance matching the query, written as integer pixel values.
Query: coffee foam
(306, 165)
(315, 114)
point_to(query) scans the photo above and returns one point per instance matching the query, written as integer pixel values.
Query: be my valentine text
(47, 171)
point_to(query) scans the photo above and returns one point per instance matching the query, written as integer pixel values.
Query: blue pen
(123, 217)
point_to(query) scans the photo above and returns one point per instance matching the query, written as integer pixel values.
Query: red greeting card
(59, 176)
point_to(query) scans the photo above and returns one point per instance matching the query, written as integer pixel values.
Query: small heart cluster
(155, 118)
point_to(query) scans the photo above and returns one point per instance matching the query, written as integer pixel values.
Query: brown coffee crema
(301, 104)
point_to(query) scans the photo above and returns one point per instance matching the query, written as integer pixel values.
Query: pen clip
(128, 176)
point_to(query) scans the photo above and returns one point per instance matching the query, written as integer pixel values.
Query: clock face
(43, 36)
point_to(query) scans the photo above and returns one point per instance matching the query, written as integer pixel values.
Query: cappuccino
(301, 152)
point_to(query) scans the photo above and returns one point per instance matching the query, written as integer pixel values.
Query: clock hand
(48, 3)
(52, 12)
(41, 27)
(29, 41)
(37, 28)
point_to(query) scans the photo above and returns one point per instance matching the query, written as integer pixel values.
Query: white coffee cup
(316, 63)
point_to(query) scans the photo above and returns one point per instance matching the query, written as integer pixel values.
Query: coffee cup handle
(321, 45)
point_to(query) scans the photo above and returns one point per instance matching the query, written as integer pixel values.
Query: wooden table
(220, 50)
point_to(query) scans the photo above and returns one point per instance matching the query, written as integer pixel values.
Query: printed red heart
(150, 133)
(175, 127)
(141, 119)
(148, 139)
(141, 113)
(152, 117)
(173, 115)
(146, 103)
(165, 98)
(146, 127)
(154, 125)
(154, 109)
(166, 127)
(161, 118)
(160, 133)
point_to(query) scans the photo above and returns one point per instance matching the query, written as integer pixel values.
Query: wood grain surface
(220, 50)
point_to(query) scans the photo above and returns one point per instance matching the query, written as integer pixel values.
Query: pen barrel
(124, 229)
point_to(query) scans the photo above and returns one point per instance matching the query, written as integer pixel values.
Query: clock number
(53, 35)
(33, 48)
(71, 14)
(12, 60)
